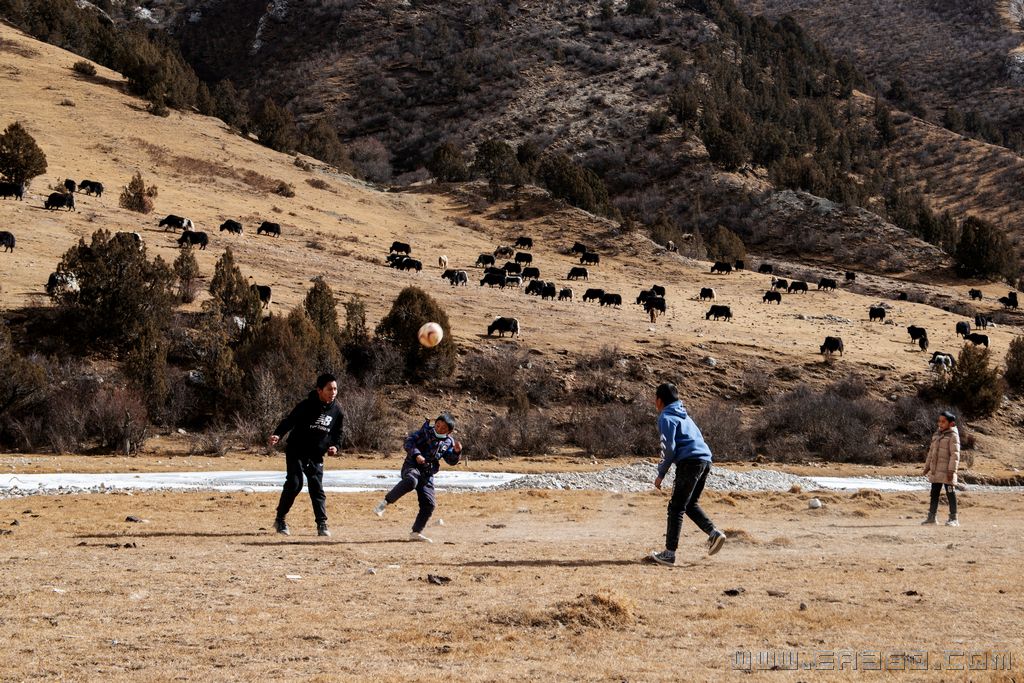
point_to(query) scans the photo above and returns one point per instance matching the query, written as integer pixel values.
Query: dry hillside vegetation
(342, 232)
(529, 585)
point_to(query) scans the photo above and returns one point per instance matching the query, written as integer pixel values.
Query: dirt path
(541, 583)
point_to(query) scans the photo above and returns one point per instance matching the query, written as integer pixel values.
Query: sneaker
(665, 557)
(322, 530)
(953, 522)
(379, 510)
(281, 527)
(716, 539)
(928, 522)
(417, 536)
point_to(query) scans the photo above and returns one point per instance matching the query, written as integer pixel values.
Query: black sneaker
(322, 530)
(715, 541)
(665, 557)
(281, 527)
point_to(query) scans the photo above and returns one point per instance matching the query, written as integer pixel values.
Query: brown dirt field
(544, 586)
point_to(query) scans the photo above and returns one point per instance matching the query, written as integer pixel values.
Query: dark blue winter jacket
(432, 447)
(680, 438)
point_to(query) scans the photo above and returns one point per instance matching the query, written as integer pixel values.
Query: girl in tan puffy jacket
(940, 467)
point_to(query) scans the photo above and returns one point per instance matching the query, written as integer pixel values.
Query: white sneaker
(417, 536)
(379, 510)
(952, 522)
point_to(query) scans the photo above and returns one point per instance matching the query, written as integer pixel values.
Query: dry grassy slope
(195, 162)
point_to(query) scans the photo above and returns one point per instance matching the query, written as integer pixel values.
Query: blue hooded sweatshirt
(680, 438)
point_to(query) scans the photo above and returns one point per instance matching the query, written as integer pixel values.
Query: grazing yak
(977, 339)
(942, 361)
(590, 259)
(593, 294)
(410, 264)
(1009, 301)
(173, 222)
(234, 227)
(16, 190)
(739, 265)
(832, 345)
(493, 270)
(565, 294)
(576, 272)
(963, 328)
(512, 268)
(191, 237)
(442, 262)
(7, 241)
(876, 313)
(771, 296)
(611, 300)
(523, 257)
(658, 290)
(531, 273)
(91, 187)
(549, 291)
(503, 325)
(263, 292)
(766, 268)
(456, 277)
(656, 303)
(982, 322)
(707, 294)
(671, 246)
(59, 200)
(70, 185)
(850, 276)
(513, 281)
(902, 297)
(504, 251)
(916, 332)
(721, 267)
(275, 230)
(797, 286)
(779, 283)
(976, 295)
(484, 260)
(579, 248)
(492, 279)
(719, 312)
(922, 342)
(827, 284)
(643, 296)
(535, 288)
(397, 247)
(523, 242)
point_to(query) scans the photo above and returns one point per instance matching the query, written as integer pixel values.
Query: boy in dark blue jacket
(424, 448)
(683, 445)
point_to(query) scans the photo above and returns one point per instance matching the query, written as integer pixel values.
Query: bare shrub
(617, 429)
(369, 419)
(757, 385)
(136, 196)
(516, 433)
(117, 420)
(722, 427)
(213, 441)
(264, 407)
(318, 183)
(600, 386)
(285, 189)
(493, 373)
(85, 68)
(605, 358)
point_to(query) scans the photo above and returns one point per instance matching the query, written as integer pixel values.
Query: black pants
(415, 478)
(314, 472)
(933, 506)
(690, 478)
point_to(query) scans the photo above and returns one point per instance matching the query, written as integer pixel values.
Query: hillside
(210, 174)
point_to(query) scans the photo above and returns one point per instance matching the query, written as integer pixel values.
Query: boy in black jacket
(315, 425)
(424, 448)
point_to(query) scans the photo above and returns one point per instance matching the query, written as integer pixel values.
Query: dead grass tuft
(740, 536)
(603, 610)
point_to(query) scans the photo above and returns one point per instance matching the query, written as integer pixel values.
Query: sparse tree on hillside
(725, 245)
(321, 142)
(186, 271)
(411, 309)
(496, 161)
(136, 196)
(322, 310)
(120, 295)
(883, 124)
(448, 165)
(275, 126)
(146, 368)
(575, 184)
(973, 385)
(1014, 374)
(984, 251)
(21, 159)
(233, 294)
(371, 160)
(230, 106)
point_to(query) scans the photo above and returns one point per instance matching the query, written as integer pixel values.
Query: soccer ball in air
(430, 335)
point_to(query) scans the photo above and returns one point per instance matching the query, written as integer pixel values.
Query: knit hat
(448, 420)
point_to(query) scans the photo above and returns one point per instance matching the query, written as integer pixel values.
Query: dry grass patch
(740, 536)
(601, 610)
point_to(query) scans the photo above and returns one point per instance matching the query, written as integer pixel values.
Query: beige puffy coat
(943, 456)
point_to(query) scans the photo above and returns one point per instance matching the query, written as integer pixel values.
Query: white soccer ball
(430, 335)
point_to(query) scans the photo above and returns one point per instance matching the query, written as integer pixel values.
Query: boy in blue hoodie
(424, 449)
(682, 445)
